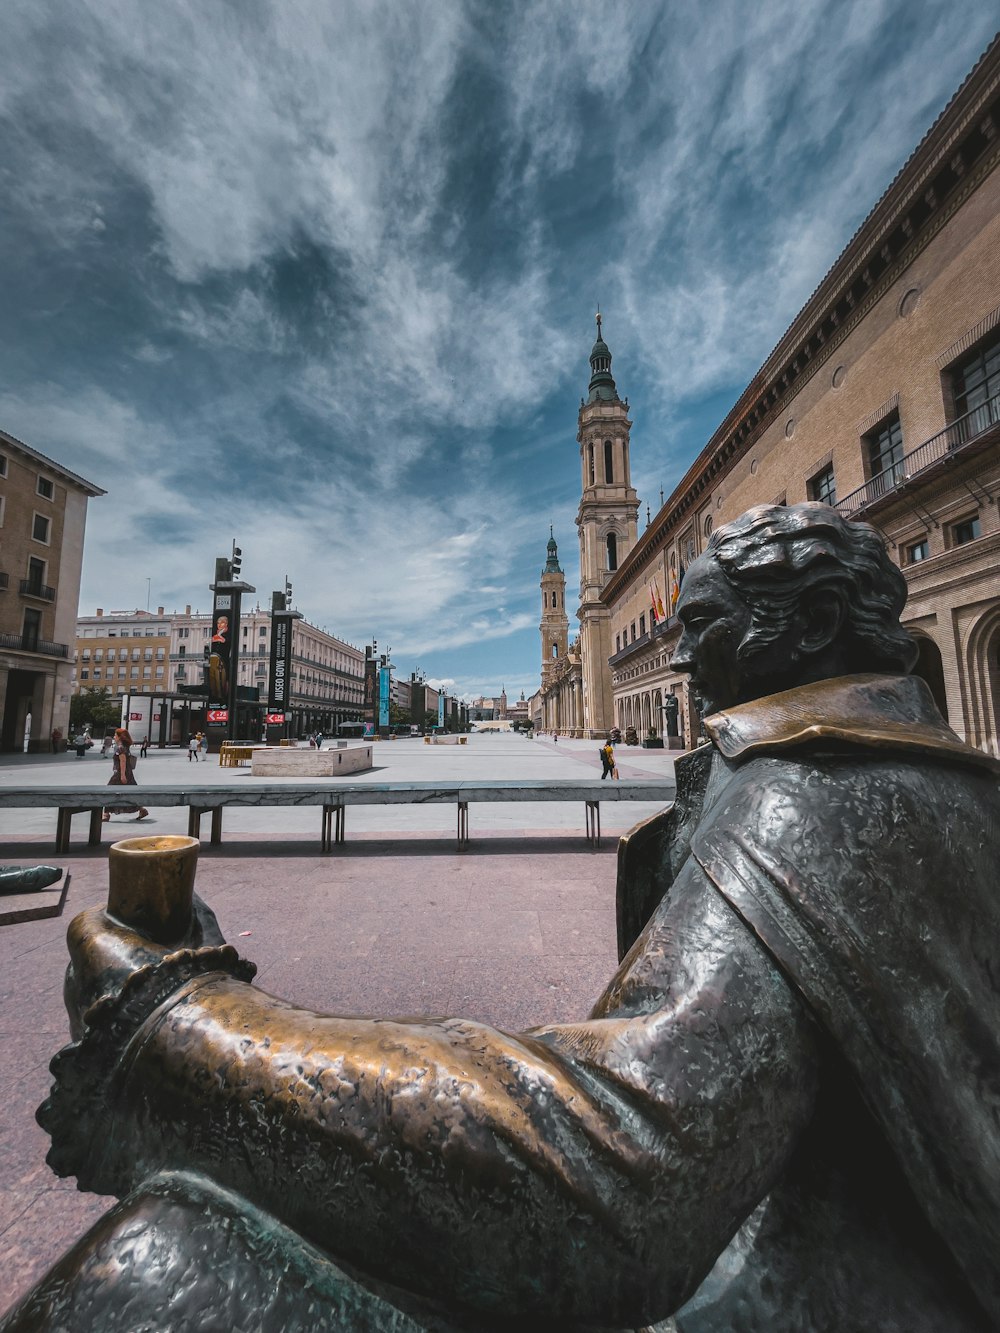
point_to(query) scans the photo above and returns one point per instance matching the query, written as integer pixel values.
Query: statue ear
(822, 617)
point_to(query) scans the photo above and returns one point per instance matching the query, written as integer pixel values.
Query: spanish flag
(675, 591)
(656, 603)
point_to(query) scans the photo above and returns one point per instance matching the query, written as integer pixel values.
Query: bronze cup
(151, 885)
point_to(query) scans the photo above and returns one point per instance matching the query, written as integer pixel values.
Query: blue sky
(322, 276)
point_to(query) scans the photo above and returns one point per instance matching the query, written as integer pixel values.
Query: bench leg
(64, 822)
(594, 823)
(194, 821)
(94, 837)
(463, 823)
(341, 822)
(217, 825)
(332, 830)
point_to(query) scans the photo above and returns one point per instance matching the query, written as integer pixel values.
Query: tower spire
(602, 386)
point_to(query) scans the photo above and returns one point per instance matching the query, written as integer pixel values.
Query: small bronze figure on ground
(783, 1114)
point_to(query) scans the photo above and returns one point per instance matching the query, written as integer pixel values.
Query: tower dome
(552, 555)
(602, 385)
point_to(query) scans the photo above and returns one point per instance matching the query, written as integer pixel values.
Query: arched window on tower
(590, 457)
(555, 599)
(609, 469)
(612, 544)
(555, 650)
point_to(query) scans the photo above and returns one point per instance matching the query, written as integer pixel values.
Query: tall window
(885, 450)
(40, 528)
(32, 628)
(823, 486)
(36, 574)
(975, 381)
(612, 543)
(609, 463)
(590, 464)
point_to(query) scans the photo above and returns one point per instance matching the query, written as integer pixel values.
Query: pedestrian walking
(607, 760)
(143, 747)
(203, 744)
(56, 739)
(123, 775)
(193, 749)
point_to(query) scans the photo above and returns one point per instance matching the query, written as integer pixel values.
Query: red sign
(135, 717)
(274, 718)
(156, 717)
(217, 715)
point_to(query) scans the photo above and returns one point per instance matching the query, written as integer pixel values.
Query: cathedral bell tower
(554, 628)
(608, 524)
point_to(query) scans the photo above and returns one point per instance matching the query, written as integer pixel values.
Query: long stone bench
(333, 801)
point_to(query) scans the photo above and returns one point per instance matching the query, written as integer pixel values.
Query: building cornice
(952, 160)
(50, 465)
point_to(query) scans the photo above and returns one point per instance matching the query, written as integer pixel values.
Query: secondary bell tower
(608, 524)
(554, 628)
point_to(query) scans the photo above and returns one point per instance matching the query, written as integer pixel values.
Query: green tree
(397, 715)
(94, 705)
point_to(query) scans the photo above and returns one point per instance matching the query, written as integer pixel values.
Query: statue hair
(775, 556)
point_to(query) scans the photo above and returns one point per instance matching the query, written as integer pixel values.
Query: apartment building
(43, 515)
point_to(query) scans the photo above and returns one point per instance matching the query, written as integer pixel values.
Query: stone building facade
(123, 651)
(882, 398)
(43, 514)
(148, 659)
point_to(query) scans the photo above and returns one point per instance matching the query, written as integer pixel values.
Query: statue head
(785, 595)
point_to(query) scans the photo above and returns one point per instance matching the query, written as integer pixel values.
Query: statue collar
(874, 711)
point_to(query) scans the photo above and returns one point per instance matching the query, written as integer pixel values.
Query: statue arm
(593, 1169)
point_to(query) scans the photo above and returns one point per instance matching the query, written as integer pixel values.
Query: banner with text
(279, 691)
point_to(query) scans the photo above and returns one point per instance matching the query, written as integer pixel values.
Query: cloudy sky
(321, 275)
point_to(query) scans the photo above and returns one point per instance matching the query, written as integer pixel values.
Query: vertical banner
(220, 648)
(383, 696)
(441, 710)
(279, 692)
(371, 689)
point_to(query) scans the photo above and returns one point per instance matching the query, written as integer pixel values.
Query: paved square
(518, 929)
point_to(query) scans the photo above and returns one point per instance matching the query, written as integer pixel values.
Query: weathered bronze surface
(27, 879)
(783, 1114)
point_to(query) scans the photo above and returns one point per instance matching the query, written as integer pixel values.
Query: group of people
(198, 747)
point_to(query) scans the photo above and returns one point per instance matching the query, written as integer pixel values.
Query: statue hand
(104, 952)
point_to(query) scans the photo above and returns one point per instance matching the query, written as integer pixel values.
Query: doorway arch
(930, 669)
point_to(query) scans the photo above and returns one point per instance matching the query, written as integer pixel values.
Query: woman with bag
(123, 775)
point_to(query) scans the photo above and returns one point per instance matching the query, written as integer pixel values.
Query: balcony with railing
(959, 435)
(36, 588)
(28, 643)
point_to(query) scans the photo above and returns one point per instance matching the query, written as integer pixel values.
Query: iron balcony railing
(945, 444)
(35, 588)
(27, 643)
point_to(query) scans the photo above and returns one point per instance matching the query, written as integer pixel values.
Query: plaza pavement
(516, 930)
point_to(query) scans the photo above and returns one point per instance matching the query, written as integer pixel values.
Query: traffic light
(237, 561)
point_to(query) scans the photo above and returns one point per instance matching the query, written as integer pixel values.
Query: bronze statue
(783, 1113)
